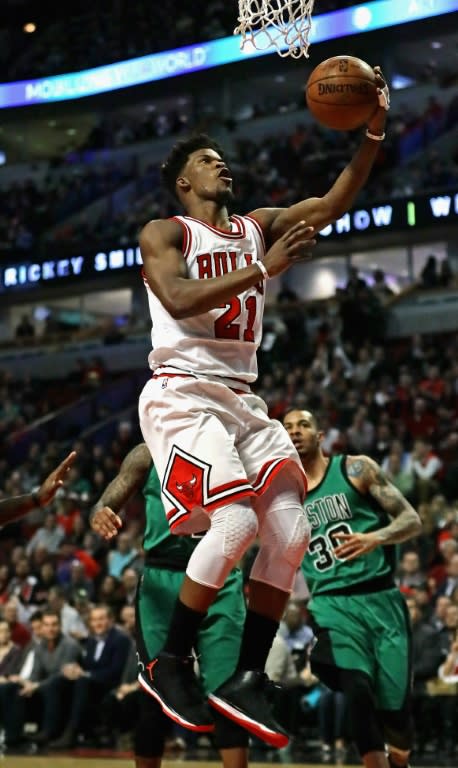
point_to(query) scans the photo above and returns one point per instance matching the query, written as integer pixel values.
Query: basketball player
(216, 451)
(218, 640)
(360, 617)
(17, 506)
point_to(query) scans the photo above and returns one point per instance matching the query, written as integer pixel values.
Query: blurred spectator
(25, 329)
(20, 634)
(450, 583)
(122, 556)
(426, 466)
(10, 653)
(78, 581)
(35, 695)
(70, 620)
(49, 536)
(446, 275)
(426, 658)
(382, 291)
(129, 580)
(331, 719)
(23, 585)
(120, 708)
(410, 573)
(84, 685)
(429, 276)
(110, 593)
(402, 479)
(296, 634)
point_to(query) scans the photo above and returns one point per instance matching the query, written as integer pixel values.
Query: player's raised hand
(105, 522)
(382, 89)
(55, 480)
(294, 245)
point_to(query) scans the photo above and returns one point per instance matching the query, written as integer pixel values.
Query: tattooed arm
(131, 477)
(368, 478)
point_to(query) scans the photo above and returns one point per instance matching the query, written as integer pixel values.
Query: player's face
(207, 174)
(302, 429)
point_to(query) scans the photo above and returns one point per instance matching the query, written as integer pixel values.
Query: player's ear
(183, 184)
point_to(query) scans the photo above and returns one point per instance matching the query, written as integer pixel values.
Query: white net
(281, 24)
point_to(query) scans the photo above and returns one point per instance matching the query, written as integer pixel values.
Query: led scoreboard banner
(379, 14)
(427, 211)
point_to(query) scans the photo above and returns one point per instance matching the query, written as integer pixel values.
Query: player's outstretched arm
(18, 506)
(165, 268)
(318, 212)
(132, 475)
(366, 475)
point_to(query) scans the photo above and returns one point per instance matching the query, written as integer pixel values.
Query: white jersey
(223, 341)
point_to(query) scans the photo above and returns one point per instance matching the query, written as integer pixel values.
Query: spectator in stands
(446, 275)
(78, 581)
(402, 479)
(291, 671)
(361, 432)
(53, 651)
(429, 277)
(46, 580)
(122, 556)
(23, 585)
(110, 593)
(447, 635)
(82, 605)
(11, 656)
(296, 634)
(380, 288)
(120, 708)
(87, 683)
(450, 584)
(432, 387)
(426, 466)
(129, 579)
(437, 618)
(19, 632)
(71, 622)
(25, 329)
(10, 653)
(426, 659)
(421, 422)
(49, 536)
(410, 573)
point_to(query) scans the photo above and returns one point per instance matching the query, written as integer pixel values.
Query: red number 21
(226, 326)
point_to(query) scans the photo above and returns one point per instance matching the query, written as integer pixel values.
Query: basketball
(341, 93)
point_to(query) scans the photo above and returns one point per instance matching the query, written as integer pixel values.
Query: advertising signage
(427, 211)
(379, 14)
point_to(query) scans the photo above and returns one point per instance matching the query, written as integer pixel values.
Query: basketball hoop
(280, 24)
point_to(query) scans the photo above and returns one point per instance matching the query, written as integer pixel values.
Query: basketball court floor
(110, 759)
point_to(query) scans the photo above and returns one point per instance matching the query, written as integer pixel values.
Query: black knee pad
(398, 727)
(228, 734)
(363, 717)
(152, 728)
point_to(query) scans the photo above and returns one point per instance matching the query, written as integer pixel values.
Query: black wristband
(36, 498)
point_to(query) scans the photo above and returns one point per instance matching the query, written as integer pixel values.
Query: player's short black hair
(179, 154)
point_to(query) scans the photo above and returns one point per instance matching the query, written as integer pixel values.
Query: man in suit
(85, 685)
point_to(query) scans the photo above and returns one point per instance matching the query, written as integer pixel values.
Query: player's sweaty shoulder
(162, 234)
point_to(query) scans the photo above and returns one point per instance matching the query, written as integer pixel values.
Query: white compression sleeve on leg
(284, 534)
(232, 530)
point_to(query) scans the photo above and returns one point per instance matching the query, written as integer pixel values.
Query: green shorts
(218, 643)
(370, 633)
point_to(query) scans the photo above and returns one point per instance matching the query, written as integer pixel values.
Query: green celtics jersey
(336, 506)
(175, 550)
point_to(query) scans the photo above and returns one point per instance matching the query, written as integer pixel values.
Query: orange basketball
(341, 93)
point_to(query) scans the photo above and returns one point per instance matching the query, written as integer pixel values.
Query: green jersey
(336, 506)
(171, 550)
